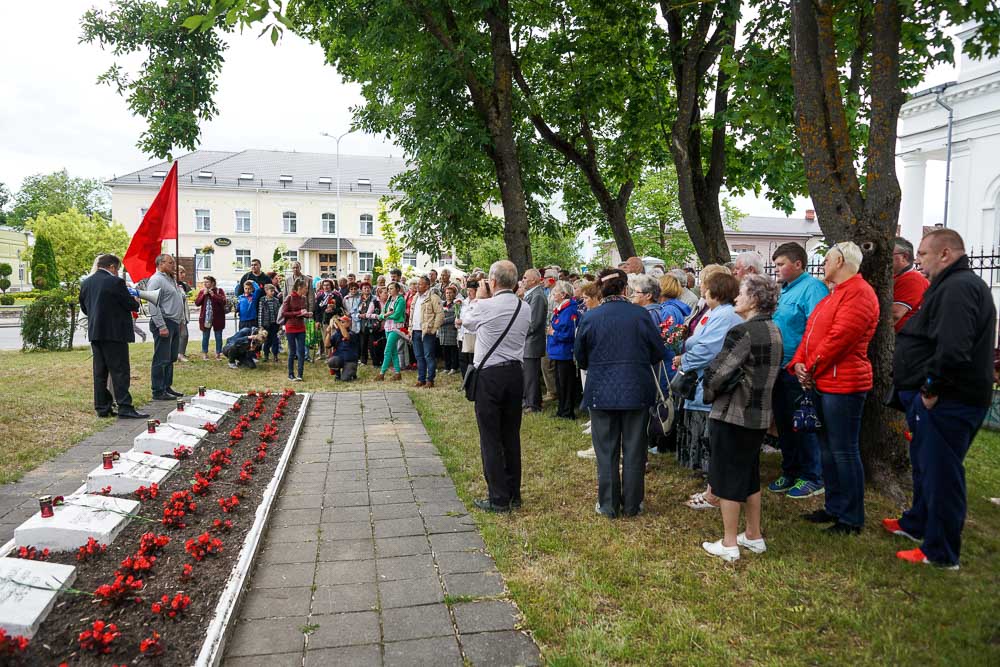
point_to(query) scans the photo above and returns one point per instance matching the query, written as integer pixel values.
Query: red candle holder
(151, 425)
(45, 504)
(180, 405)
(201, 391)
(109, 459)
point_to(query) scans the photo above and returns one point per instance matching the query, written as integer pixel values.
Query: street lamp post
(339, 219)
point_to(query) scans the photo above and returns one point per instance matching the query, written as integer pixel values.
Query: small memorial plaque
(132, 470)
(166, 439)
(214, 398)
(79, 517)
(28, 589)
(196, 416)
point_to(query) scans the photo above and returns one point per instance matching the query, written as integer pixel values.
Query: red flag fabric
(159, 223)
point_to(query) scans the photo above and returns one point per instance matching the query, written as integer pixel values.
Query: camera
(472, 284)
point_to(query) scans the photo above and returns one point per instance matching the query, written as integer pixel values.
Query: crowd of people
(705, 367)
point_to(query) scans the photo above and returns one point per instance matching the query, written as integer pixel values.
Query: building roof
(754, 225)
(327, 243)
(273, 170)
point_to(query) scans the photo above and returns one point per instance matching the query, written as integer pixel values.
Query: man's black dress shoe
(131, 414)
(164, 397)
(485, 505)
(819, 516)
(843, 529)
(175, 394)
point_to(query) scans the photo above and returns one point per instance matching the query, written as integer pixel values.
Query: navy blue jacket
(617, 344)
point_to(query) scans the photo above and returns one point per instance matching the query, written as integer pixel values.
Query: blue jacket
(617, 344)
(347, 349)
(247, 307)
(701, 348)
(678, 310)
(797, 301)
(559, 345)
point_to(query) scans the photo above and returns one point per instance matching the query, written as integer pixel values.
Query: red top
(291, 309)
(835, 345)
(908, 290)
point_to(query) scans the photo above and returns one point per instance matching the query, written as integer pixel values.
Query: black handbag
(472, 373)
(684, 384)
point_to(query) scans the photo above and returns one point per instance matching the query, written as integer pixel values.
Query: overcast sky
(54, 115)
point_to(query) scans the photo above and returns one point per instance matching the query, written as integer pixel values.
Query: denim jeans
(165, 350)
(941, 438)
(296, 350)
(425, 350)
(843, 474)
(205, 334)
(800, 458)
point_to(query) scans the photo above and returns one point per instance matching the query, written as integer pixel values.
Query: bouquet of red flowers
(673, 335)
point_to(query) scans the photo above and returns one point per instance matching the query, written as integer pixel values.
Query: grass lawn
(637, 591)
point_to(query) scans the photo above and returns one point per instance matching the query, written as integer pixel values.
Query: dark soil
(182, 638)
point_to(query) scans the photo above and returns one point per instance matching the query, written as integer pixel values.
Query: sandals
(699, 502)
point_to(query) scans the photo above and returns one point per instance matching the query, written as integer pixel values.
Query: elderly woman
(646, 293)
(559, 346)
(448, 332)
(738, 384)
(618, 343)
(832, 359)
(719, 290)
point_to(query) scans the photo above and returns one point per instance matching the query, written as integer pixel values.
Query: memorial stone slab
(79, 518)
(132, 470)
(167, 438)
(196, 416)
(214, 398)
(24, 602)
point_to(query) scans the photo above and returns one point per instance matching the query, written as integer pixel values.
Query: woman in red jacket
(212, 315)
(832, 359)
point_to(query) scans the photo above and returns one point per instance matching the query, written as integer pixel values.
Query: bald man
(944, 379)
(633, 266)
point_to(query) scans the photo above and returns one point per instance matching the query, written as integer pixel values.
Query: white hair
(751, 260)
(851, 253)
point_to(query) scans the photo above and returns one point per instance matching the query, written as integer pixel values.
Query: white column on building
(960, 201)
(911, 210)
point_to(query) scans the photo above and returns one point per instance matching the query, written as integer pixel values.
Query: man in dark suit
(108, 306)
(534, 343)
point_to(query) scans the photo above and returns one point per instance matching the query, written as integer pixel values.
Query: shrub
(5, 271)
(44, 275)
(7, 300)
(45, 323)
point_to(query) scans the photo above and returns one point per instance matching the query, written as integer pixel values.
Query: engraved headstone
(196, 416)
(132, 470)
(167, 438)
(28, 589)
(214, 398)
(79, 518)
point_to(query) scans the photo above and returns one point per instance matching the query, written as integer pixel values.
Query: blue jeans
(800, 457)
(296, 350)
(941, 438)
(205, 334)
(165, 350)
(841, 455)
(425, 350)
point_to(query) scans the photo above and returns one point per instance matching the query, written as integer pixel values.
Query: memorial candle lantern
(151, 425)
(109, 459)
(180, 405)
(45, 504)
(201, 391)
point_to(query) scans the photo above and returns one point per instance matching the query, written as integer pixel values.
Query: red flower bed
(153, 593)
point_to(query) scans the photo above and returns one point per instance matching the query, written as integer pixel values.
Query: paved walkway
(370, 558)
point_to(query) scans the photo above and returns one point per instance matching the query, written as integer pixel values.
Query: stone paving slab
(370, 558)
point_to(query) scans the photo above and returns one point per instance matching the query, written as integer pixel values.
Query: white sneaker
(232, 364)
(756, 546)
(728, 554)
(587, 453)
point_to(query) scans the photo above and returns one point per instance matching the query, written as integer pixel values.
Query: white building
(238, 206)
(974, 193)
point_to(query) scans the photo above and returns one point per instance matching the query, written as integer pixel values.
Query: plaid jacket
(267, 311)
(754, 348)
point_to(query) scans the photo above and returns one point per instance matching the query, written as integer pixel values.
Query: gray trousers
(532, 387)
(620, 435)
(549, 375)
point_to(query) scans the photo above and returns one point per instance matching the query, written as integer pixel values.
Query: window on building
(446, 260)
(292, 256)
(367, 224)
(202, 220)
(202, 261)
(329, 221)
(142, 213)
(290, 222)
(366, 261)
(243, 260)
(243, 221)
(410, 258)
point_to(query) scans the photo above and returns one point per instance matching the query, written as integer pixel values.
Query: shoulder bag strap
(656, 381)
(502, 336)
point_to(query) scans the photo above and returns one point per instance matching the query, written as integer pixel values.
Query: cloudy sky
(54, 115)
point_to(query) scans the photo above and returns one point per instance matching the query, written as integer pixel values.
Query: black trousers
(565, 387)
(464, 361)
(498, 414)
(450, 353)
(532, 397)
(111, 358)
(620, 435)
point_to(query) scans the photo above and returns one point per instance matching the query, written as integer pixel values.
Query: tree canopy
(76, 240)
(56, 193)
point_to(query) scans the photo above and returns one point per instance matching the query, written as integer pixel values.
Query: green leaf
(193, 22)
(275, 34)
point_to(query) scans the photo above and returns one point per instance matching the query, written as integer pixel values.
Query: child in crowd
(267, 320)
(247, 305)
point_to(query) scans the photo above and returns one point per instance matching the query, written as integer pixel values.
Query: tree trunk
(701, 212)
(72, 325)
(515, 212)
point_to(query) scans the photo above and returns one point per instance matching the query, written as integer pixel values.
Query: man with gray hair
(748, 263)
(165, 319)
(908, 284)
(534, 344)
(686, 296)
(500, 321)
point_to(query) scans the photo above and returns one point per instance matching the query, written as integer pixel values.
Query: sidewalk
(370, 557)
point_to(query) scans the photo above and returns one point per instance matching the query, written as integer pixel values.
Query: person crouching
(241, 349)
(343, 346)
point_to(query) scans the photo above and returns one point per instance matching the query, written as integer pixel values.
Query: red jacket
(218, 298)
(835, 345)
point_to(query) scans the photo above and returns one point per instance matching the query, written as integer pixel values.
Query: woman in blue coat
(617, 344)
(559, 346)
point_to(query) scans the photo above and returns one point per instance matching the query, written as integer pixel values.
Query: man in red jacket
(908, 284)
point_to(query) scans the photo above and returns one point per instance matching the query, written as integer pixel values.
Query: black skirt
(735, 470)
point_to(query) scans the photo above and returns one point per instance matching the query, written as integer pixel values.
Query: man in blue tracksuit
(801, 475)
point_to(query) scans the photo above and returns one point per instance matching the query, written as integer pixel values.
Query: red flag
(159, 223)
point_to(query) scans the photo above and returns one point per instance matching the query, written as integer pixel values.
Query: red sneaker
(892, 526)
(917, 556)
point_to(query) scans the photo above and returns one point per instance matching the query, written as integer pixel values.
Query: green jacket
(397, 306)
